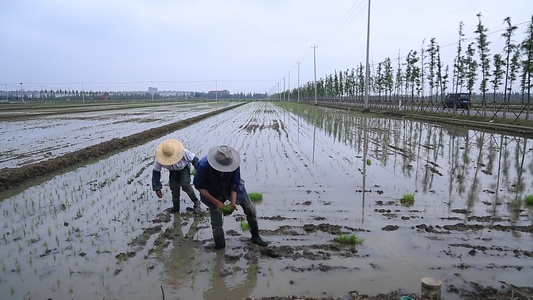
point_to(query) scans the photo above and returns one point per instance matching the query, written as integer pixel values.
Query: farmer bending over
(171, 155)
(218, 178)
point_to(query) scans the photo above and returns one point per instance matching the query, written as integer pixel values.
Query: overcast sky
(238, 45)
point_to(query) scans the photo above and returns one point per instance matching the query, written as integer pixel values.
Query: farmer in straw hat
(171, 155)
(218, 178)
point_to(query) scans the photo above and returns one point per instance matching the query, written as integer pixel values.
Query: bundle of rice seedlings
(408, 199)
(351, 239)
(245, 226)
(227, 210)
(255, 196)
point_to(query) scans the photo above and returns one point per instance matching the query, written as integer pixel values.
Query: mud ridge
(13, 177)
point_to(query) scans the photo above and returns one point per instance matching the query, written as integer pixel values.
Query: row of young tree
(53, 95)
(75, 95)
(472, 65)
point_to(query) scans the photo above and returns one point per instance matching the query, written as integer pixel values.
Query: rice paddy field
(421, 199)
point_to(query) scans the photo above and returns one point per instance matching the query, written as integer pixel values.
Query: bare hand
(234, 204)
(219, 204)
(159, 193)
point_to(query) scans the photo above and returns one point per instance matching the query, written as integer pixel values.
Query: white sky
(238, 45)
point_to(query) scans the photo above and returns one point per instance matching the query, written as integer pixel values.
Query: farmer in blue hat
(218, 178)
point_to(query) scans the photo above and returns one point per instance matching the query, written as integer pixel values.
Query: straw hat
(223, 158)
(169, 152)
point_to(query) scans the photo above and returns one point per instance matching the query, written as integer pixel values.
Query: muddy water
(35, 139)
(99, 231)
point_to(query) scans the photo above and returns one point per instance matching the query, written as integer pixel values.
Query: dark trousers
(181, 180)
(217, 218)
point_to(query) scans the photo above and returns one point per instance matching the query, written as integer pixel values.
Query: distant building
(222, 94)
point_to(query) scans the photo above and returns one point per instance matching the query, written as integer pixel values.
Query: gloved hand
(159, 193)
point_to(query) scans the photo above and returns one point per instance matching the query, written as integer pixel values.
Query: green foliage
(408, 199)
(245, 226)
(483, 50)
(368, 162)
(255, 196)
(227, 210)
(473, 66)
(351, 239)
(529, 199)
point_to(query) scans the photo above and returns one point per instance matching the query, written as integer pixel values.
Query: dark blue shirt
(218, 184)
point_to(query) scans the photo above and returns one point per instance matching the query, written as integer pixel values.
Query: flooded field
(99, 232)
(34, 138)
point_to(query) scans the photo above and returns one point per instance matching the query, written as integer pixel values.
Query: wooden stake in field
(431, 288)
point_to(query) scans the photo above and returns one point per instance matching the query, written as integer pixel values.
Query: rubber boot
(220, 241)
(175, 205)
(197, 210)
(256, 238)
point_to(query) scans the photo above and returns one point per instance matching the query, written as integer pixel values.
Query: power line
(350, 15)
(343, 22)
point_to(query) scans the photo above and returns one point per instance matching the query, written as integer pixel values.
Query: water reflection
(220, 289)
(182, 261)
(473, 166)
(366, 161)
(189, 269)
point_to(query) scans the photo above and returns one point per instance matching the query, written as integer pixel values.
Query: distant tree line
(473, 64)
(75, 95)
(237, 96)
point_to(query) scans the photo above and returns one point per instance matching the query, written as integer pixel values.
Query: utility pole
(279, 90)
(289, 87)
(21, 93)
(82, 93)
(367, 76)
(216, 90)
(298, 82)
(152, 91)
(7, 94)
(284, 90)
(314, 60)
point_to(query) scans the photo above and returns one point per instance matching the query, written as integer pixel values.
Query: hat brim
(175, 157)
(223, 168)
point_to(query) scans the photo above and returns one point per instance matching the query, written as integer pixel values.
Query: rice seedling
(529, 199)
(245, 226)
(227, 210)
(255, 196)
(351, 239)
(18, 266)
(368, 162)
(408, 199)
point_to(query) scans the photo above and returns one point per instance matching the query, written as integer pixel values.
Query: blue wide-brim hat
(223, 158)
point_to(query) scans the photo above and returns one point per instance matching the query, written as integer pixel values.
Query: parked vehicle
(462, 100)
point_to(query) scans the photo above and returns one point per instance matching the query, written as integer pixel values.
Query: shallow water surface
(100, 232)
